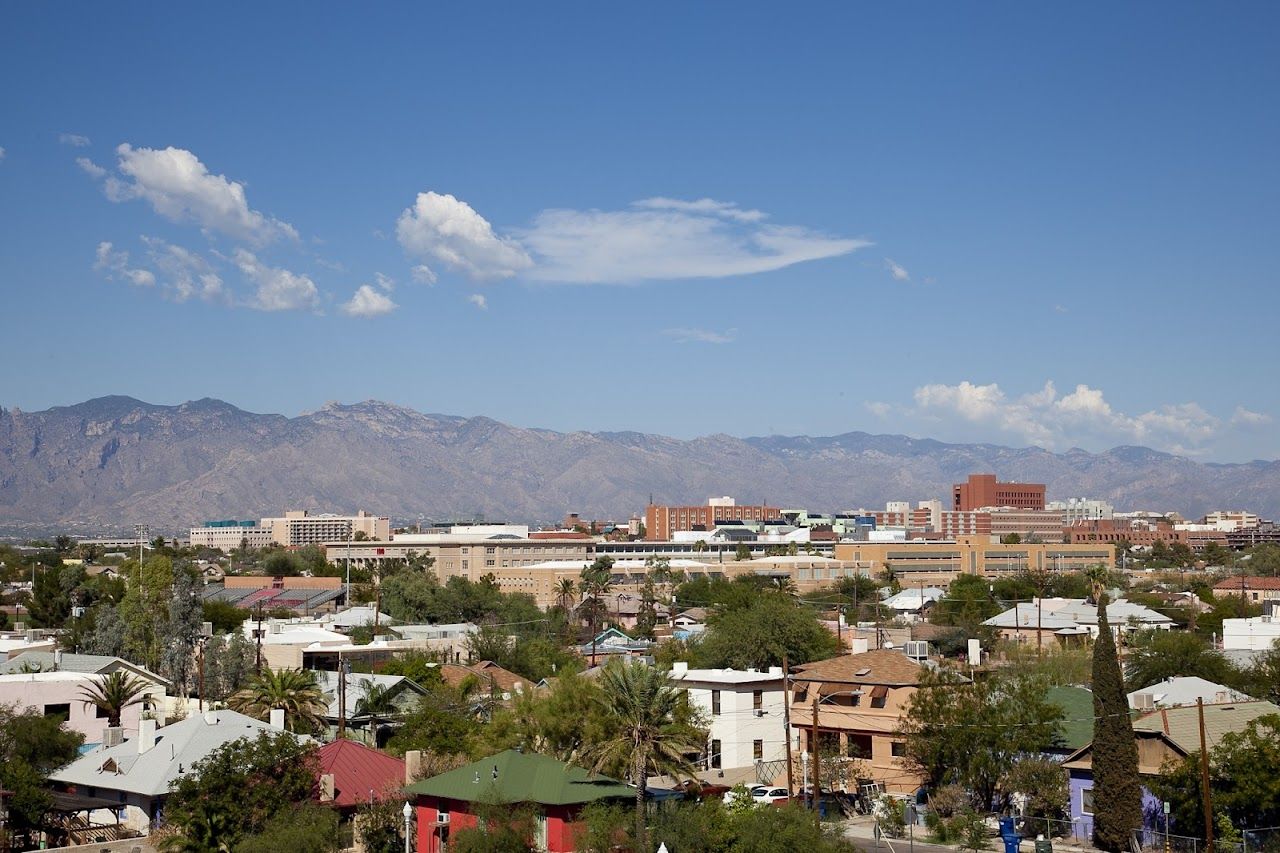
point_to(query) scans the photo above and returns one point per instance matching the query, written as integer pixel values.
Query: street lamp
(407, 811)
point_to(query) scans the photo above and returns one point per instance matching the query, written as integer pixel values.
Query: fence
(1262, 840)
(1049, 827)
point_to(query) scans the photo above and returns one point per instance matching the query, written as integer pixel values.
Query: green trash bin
(1044, 845)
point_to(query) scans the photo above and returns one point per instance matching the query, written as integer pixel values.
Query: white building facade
(746, 711)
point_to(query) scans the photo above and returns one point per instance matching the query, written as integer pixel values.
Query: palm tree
(377, 702)
(114, 692)
(652, 739)
(294, 691)
(565, 590)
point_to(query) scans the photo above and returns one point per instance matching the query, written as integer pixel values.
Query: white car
(769, 795)
(751, 792)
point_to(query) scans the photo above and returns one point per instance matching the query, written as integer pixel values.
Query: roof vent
(866, 670)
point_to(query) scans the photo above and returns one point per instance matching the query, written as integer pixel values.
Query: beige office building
(917, 562)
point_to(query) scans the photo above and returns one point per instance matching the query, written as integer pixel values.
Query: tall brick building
(982, 490)
(661, 521)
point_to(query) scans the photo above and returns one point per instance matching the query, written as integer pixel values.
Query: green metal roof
(520, 777)
(1076, 728)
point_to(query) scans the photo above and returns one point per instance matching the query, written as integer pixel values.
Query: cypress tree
(1117, 793)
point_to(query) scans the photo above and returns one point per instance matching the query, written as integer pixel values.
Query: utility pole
(786, 722)
(257, 662)
(200, 678)
(342, 696)
(1204, 779)
(813, 792)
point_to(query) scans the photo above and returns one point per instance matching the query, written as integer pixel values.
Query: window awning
(879, 691)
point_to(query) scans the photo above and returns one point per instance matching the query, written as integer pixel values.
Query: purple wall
(1082, 780)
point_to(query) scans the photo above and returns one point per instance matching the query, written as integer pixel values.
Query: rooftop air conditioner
(442, 817)
(759, 712)
(916, 649)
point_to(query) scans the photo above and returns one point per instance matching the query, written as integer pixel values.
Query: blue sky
(1004, 222)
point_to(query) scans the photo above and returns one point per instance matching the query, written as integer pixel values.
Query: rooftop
(360, 773)
(518, 777)
(883, 666)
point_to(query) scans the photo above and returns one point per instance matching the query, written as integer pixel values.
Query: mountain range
(110, 462)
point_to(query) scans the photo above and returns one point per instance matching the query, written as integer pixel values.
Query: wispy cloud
(653, 239)
(277, 289)
(2, 153)
(185, 274)
(1060, 309)
(114, 264)
(896, 270)
(75, 140)
(385, 282)
(367, 302)
(478, 300)
(90, 168)
(180, 188)
(700, 336)
(879, 409)
(1246, 418)
(423, 274)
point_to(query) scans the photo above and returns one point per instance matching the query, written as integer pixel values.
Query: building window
(715, 703)
(757, 750)
(715, 755)
(59, 711)
(757, 700)
(1086, 801)
(898, 749)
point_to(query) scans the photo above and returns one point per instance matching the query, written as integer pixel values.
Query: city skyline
(1025, 227)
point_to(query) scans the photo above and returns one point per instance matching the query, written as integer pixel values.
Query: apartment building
(983, 490)
(745, 709)
(661, 521)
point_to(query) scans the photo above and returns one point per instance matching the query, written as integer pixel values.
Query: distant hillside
(113, 461)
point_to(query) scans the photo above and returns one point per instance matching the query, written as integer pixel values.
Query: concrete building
(1044, 525)
(295, 528)
(1076, 510)
(661, 521)
(61, 694)
(937, 562)
(984, 490)
(1256, 633)
(229, 535)
(746, 710)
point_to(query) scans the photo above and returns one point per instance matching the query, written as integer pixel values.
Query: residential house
(913, 605)
(1061, 621)
(746, 711)
(856, 703)
(1255, 633)
(353, 775)
(557, 792)
(1174, 692)
(399, 698)
(62, 694)
(1164, 734)
(489, 679)
(1255, 590)
(612, 642)
(137, 772)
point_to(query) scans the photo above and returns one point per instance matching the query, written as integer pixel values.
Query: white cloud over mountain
(654, 239)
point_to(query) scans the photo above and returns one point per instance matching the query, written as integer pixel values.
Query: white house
(1185, 690)
(911, 604)
(1256, 633)
(746, 710)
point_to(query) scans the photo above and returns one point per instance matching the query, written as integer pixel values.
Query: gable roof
(177, 748)
(1181, 726)
(1184, 690)
(519, 777)
(1247, 582)
(487, 673)
(67, 662)
(883, 666)
(360, 773)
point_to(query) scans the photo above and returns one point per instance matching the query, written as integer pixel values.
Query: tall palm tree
(295, 691)
(378, 702)
(565, 589)
(652, 738)
(114, 692)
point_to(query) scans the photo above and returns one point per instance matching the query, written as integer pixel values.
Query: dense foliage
(1117, 795)
(31, 747)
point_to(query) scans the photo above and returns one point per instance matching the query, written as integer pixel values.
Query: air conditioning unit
(442, 818)
(916, 649)
(759, 712)
(112, 736)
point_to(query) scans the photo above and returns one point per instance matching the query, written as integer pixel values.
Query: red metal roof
(358, 770)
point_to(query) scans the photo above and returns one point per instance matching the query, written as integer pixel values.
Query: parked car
(751, 792)
(769, 795)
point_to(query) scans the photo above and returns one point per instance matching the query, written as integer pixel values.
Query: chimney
(326, 788)
(859, 645)
(277, 718)
(146, 735)
(211, 718)
(412, 766)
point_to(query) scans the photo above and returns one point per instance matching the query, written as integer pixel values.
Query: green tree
(112, 693)
(223, 615)
(293, 690)
(31, 747)
(144, 610)
(228, 665)
(237, 790)
(972, 732)
(444, 723)
(760, 633)
(420, 667)
(1117, 794)
(309, 827)
(650, 735)
(1157, 655)
(967, 604)
(282, 564)
(742, 552)
(1043, 783)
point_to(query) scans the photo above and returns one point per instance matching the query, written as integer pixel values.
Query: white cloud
(1246, 418)
(1059, 309)
(180, 188)
(368, 302)
(700, 336)
(115, 264)
(879, 409)
(655, 238)
(897, 270)
(727, 209)
(75, 140)
(186, 274)
(445, 229)
(386, 282)
(1054, 421)
(90, 168)
(478, 300)
(277, 289)
(423, 274)
(2, 152)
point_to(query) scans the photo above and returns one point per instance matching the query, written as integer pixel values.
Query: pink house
(62, 694)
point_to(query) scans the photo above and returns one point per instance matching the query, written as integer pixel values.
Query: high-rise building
(661, 521)
(982, 490)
